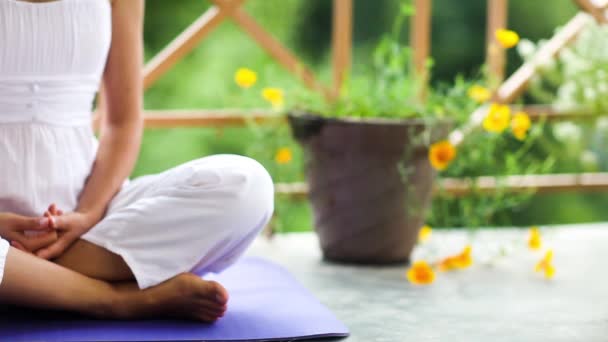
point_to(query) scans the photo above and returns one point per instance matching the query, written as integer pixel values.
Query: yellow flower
(458, 261)
(424, 234)
(497, 119)
(421, 273)
(520, 125)
(535, 240)
(245, 78)
(283, 156)
(545, 265)
(479, 94)
(274, 96)
(441, 154)
(507, 38)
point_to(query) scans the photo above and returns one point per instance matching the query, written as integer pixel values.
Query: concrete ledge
(497, 299)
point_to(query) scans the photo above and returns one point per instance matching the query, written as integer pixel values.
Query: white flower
(602, 124)
(567, 131)
(589, 93)
(526, 48)
(589, 160)
(566, 97)
(546, 64)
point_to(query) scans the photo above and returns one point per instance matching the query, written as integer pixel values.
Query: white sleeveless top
(52, 56)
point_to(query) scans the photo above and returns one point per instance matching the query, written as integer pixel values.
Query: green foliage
(490, 154)
(389, 87)
(391, 90)
(578, 80)
(204, 79)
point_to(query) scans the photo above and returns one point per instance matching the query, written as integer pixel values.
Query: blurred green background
(204, 79)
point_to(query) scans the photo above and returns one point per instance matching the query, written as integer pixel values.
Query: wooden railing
(506, 92)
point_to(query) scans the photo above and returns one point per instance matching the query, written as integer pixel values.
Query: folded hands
(47, 236)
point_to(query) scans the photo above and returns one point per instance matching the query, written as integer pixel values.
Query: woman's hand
(27, 233)
(69, 228)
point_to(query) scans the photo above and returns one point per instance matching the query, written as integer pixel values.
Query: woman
(116, 249)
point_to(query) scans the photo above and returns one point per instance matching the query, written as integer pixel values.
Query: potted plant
(371, 154)
(367, 155)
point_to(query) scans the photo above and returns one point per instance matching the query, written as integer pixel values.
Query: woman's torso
(52, 56)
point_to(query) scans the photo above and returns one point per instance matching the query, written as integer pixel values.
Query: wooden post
(518, 81)
(277, 50)
(496, 55)
(596, 8)
(186, 41)
(420, 40)
(342, 42)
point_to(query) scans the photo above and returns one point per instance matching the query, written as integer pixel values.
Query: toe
(220, 295)
(208, 318)
(205, 305)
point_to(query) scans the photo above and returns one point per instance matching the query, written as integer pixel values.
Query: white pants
(198, 217)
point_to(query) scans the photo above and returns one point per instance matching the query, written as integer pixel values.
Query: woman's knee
(242, 184)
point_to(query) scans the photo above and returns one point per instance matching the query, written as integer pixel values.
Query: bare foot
(184, 296)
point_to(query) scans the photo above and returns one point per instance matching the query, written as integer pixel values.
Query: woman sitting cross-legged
(75, 235)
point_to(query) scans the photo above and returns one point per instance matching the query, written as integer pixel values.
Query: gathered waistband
(62, 102)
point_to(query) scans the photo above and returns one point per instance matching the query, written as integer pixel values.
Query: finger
(53, 209)
(34, 243)
(48, 221)
(60, 222)
(31, 223)
(52, 222)
(19, 246)
(56, 249)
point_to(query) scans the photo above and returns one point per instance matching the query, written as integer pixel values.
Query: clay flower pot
(370, 184)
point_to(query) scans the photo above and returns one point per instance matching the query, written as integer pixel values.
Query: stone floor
(499, 298)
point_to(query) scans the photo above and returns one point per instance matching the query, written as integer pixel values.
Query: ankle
(132, 304)
(116, 304)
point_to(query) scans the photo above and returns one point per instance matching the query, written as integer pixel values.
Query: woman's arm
(121, 127)
(122, 124)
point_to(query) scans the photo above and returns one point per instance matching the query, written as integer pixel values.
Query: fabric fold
(3, 253)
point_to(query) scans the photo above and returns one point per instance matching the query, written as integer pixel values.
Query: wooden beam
(517, 83)
(342, 42)
(542, 184)
(496, 55)
(241, 117)
(274, 48)
(207, 118)
(186, 41)
(550, 114)
(420, 37)
(551, 183)
(598, 12)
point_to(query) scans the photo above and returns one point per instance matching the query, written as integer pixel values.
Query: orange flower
(458, 261)
(506, 38)
(497, 119)
(479, 94)
(424, 234)
(421, 273)
(545, 265)
(441, 154)
(283, 156)
(520, 125)
(535, 240)
(245, 78)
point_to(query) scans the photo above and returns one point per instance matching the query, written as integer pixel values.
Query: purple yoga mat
(266, 303)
